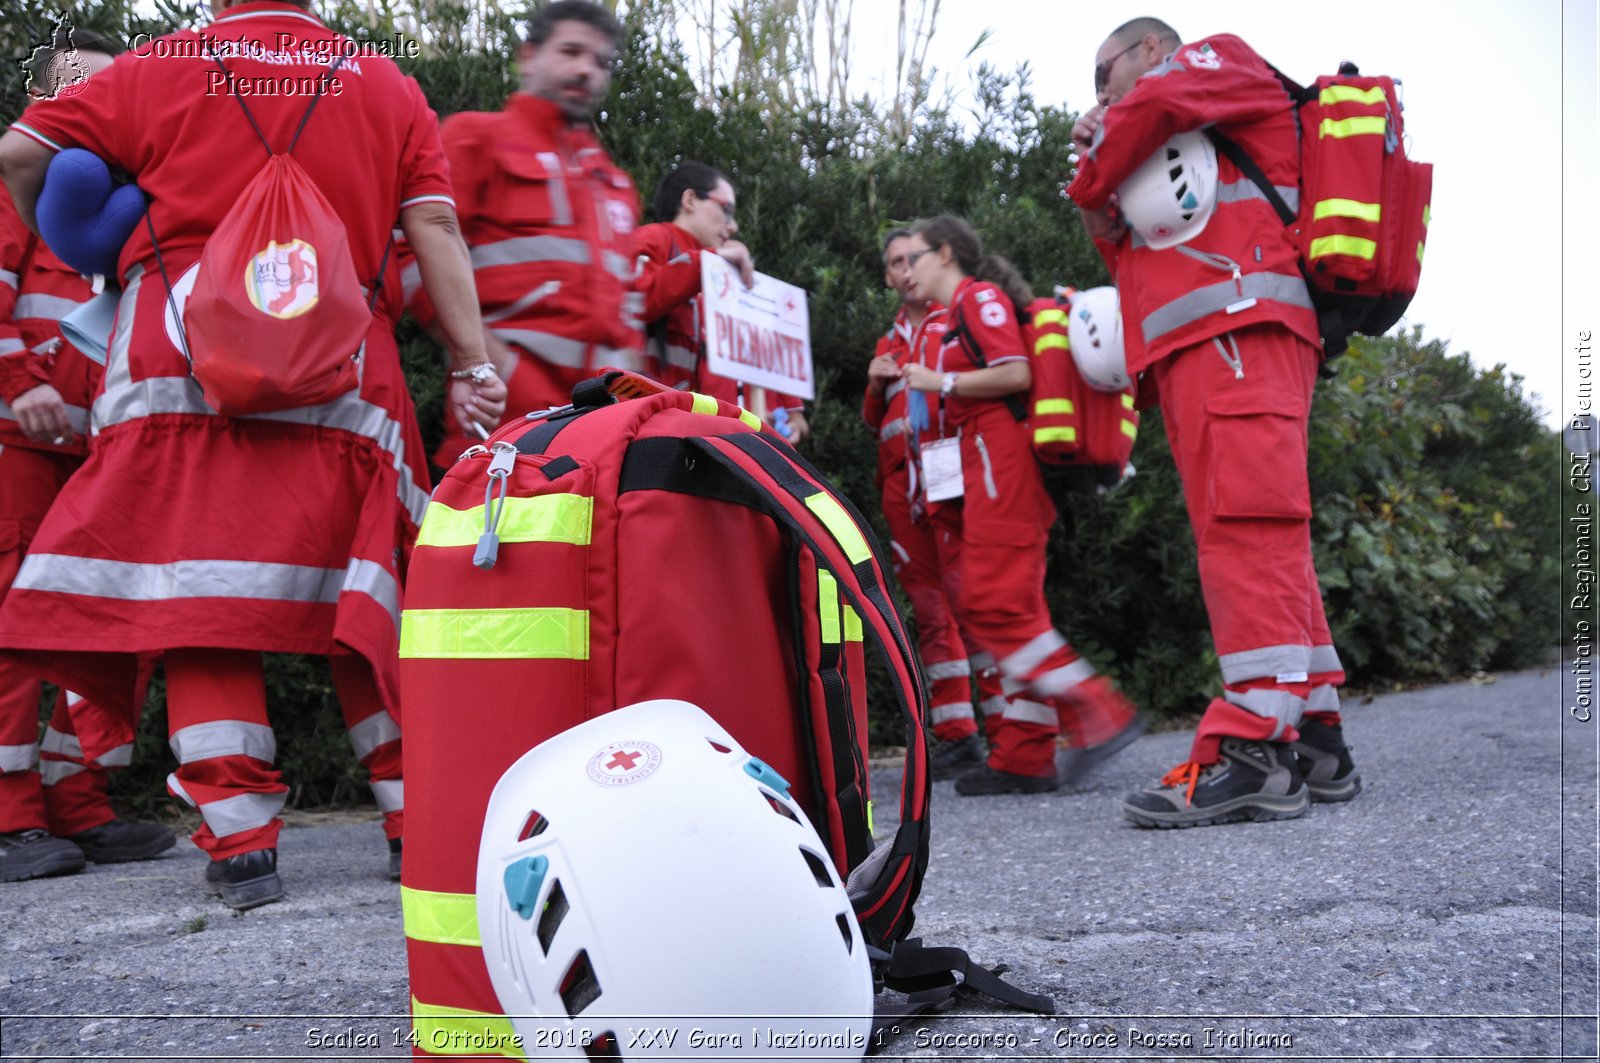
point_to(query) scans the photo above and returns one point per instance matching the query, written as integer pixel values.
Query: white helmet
(641, 876)
(1170, 197)
(1094, 325)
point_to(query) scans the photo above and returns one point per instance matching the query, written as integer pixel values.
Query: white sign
(760, 335)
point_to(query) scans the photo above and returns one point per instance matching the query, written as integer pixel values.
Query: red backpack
(277, 318)
(1364, 210)
(661, 546)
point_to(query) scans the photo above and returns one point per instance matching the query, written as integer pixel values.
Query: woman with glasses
(982, 380)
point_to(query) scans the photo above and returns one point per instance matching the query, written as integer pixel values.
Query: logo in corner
(281, 279)
(56, 70)
(1203, 58)
(624, 763)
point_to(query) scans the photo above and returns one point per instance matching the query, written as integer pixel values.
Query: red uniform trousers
(1236, 410)
(1005, 527)
(927, 558)
(45, 785)
(218, 728)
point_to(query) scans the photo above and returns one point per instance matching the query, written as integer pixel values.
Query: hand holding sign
(759, 335)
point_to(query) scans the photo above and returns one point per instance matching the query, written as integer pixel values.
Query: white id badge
(941, 469)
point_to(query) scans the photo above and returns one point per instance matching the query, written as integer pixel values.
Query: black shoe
(247, 880)
(946, 760)
(394, 859)
(984, 780)
(1076, 763)
(122, 840)
(1325, 763)
(1251, 780)
(26, 854)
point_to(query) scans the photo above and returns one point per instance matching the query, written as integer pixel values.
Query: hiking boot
(1251, 780)
(984, 780)
(1324, 762)
(394, 859)
(946, 760)
(247, 880)
(122, 840)
(26, 854)
(1078, 762)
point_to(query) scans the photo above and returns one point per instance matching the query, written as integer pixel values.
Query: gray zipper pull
(503, 458)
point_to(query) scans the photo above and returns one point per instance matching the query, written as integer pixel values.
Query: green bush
(1435, 527)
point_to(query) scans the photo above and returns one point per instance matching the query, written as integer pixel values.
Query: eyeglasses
(727, 207)
(911, 258)
(1102, 73)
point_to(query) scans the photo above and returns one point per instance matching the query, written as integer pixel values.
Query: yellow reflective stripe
(1055, 435)
(1047, 406)
(869, 819)
(1051, 341)
(448, 1031)
(440, 918)
(840, 526)
(1127, 401)
(750, 419)
(852, 625)
(828, 607)
(1350, 94)
(1053, 316)
(1354, 127)
(1419, 250)
(703, 403)
(1354, 246)
(495, 634)
(541, 519)
(1427, 214)
(1346, 208)
(1130, 429)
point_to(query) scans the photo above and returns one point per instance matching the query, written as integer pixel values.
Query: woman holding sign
(700, 202)
(983, 377)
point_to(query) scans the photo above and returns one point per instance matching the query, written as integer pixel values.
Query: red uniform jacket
(886, 414)
(1243, 268)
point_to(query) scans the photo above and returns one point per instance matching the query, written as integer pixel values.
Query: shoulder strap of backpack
(958, 328)
(927, 975)
(316, 98)
(1247, 166)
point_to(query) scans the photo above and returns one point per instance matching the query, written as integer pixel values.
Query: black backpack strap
(963, 335)
(927, 975)
(316, 98)
(1247, 166)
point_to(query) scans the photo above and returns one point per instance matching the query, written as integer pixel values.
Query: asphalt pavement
(1448, 912)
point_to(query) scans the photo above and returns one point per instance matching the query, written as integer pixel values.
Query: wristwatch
(948, 388)
(478, 372)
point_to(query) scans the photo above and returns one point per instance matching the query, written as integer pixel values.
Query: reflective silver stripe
(128, 401)
(1280, 705)
(982, 661)
(890, 429)
(995, 706)
(1025, 711)
(1214, 298)
(74, 699)
(8, 278)
(1033, 654)
(61, 744)
(682, 357)
(949, 670)
(548, 288)
(560, 205)
(894, 389)
(177, 788)
(561, 351)
(18, 758)
(131, 581)
(77, 416)
(521, 249)
(901, 555)
(957, 710)
(1239, 191)
(390, 795)
(120, 757)
(224, 738)
(1264, 662)
(234, 815)
(53, 771)
(50, 307)
(10, 346)
(1325, 659)
(1059, 680)
(1323, 698)
(377, 583)
(119, 373)
(410, 281)
(376, 730)
(619, 266)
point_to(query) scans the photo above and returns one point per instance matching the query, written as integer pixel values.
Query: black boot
(247, 880)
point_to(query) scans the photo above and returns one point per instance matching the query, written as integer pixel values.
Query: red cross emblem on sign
(623, 761)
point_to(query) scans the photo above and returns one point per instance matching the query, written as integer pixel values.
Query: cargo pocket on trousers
(1258, 458)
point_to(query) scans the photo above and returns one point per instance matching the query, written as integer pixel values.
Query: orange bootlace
(1185, 774)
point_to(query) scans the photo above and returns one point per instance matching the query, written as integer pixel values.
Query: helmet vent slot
(579, 986)
(819, 868)
(1173, 154)
(603, 1046)
(779, 807)
(719, 747)
(555, 910)
(534, 824)
(844, 932)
